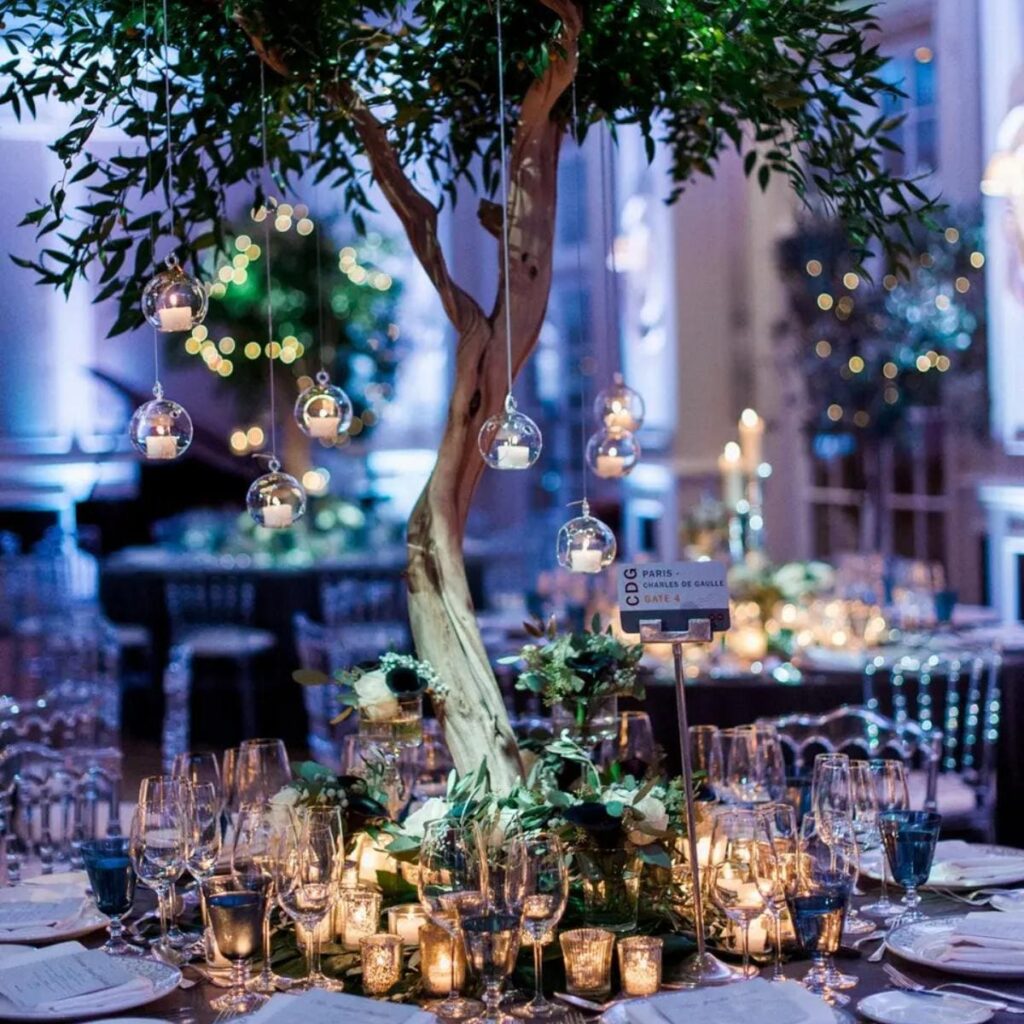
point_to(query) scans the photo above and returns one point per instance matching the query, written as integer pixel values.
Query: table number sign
(673, 593)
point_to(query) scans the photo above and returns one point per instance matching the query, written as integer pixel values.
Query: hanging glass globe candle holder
(511, 440)
(619, 407)
(160, 429)
(612, 454)
(173, 300)
(585, 544)
(323, 410)
(276, 500)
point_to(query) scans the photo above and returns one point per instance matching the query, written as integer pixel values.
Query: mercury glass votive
(640, 965)
(382, 962)
(442, 961)
(359, 910)
(588, 962)
(405, 921)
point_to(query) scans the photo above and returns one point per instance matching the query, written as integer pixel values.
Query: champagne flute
(157, 851)
(236, 907)
(448, 867)
(262, 770)
(778, 828)
(733, 883)
(307, 869)
(202, 842)
(889, 778)
(253, 855)
(546, 893)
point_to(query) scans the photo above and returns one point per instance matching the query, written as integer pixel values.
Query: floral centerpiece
(582, 675)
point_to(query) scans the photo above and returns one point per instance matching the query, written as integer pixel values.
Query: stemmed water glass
(261, 771)
(909, 838)
(545, 895)
(157, 848)
(112, 880)
(777, 827)
(733, 881)
(202, 839)
(706, 759)
(236, 905)
(831, 795)
(739, 764)
(307, 867)
(770, 765)
(253, 855)
(198, 768)
(449, 867)
(889, 779)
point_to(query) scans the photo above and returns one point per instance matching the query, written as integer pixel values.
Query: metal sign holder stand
(703, 968)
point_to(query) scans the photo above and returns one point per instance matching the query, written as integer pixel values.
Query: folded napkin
(986, 938)
(21, 917)
(321, 1007)
(959, 861)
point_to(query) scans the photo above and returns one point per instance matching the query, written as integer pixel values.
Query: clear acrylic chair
(176, 736)
(363, 600)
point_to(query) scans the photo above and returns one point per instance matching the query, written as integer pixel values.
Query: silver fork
(902, 981)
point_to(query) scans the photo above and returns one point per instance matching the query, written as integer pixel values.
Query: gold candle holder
(382, 962)
(359, 909)
(588, 962)
(442, 961)
(640, 965)
(405, 921)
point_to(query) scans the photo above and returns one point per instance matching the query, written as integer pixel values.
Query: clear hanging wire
(505, 197)
(171, 200)
(579, 286)
(319, 272)
(266, 247)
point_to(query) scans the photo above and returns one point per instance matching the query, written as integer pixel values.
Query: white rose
(654, 815)
(433, 809)
(281, 804)
(376, 701)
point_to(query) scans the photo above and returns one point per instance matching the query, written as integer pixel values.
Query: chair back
(363, 599)
(177, 686)
(209, 599)
(863, 733)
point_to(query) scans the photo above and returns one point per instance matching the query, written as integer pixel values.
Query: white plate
(163, 978)
(10, 949)
(618, 1014)
(921, 943)
(908, 1008)
(87, 922)
(871, 867)
(1012, 902)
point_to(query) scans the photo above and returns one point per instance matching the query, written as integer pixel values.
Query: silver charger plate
(923, 941)
(163, 980)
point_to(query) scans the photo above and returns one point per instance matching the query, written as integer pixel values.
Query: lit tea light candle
(175, 318)
(585, 560)
(610, 466)
(277, 516)
(161, 446)
(442, 961)
(360, 914)
(513, 456)
(382, 962)
(373, 857)
(588, 962)
(640, 965)
(405, 921)
(324, 425)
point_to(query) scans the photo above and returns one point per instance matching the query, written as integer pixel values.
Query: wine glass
(732, 882)
(889, 778)
(706, 759)
(909, 838)
(817, 894)
(202, 840)
(254, 855)
(777, 826)
(112, 880)
(831, 796)
(448, 866)
(307, 867)
(262, 770)
(770, 765)
(157, 851)
(634, 745)
(546, 893)
(864, 824)
(201, 768)
(738, 759)
(229, 781)
(236, 906)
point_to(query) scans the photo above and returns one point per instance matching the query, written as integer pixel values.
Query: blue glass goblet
(112, 879)
(909, 838)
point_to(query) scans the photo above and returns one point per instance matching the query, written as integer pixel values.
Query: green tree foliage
(795, 86)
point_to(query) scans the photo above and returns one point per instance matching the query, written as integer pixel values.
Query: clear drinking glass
(889, 778)
(112, 880)
(236, 906)
(262, 770)
(448, 868)
(199, 769)
(739, 760)
(166, 790)
(546, 893)
(777, 826)
(308, 863)
(864, 823)
(909, 838)
(635, 749)
(733, 876)
(831, 795)
(770, 765)
(706, 759)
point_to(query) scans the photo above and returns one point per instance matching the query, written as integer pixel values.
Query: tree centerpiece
(404, 96)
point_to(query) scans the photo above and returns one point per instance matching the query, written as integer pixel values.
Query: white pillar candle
(585, 560)
(513, 456)
(371, 859)
(161, 446)
(277, 516)
(732, 475)
(610, 466)
(175, 318)
(323, 426)
(405, 921)
(751, 429)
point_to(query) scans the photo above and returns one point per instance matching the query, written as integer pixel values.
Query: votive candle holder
(359, 910)
(405, 921)
(640, 965)
(588, 962)
(382, 962)
(442, 961)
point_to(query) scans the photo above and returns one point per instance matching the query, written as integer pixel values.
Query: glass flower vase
(610, 882)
